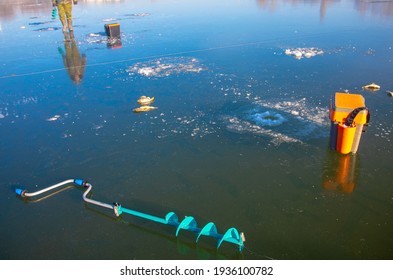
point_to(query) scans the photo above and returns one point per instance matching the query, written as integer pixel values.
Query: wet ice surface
(44, 29)
(11, 109)
(280, 120)
(383, 132)
(277, 120)
(292, 121)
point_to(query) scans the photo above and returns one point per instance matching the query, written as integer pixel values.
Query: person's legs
(62, 15)
(68, 13)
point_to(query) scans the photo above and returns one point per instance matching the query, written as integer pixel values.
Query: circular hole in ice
(268, 119)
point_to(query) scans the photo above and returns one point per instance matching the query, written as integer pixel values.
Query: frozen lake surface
(240, 135)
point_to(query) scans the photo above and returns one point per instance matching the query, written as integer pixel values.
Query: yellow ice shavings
(145, 100)
(372, 87)
(144, 108)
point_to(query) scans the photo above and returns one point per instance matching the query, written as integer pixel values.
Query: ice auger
(188, 223)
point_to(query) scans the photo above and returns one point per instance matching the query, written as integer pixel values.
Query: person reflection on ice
(74, 62)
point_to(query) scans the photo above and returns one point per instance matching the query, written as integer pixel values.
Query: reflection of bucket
(345, 138)
(339, 173)
(343, 169)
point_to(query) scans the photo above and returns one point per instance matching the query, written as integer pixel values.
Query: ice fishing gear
(349, 116)
(188, 223)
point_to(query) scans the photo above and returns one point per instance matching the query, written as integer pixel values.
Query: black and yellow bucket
(112, 30)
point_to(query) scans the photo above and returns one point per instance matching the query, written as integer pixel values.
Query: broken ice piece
(54, 118)
(299, 53)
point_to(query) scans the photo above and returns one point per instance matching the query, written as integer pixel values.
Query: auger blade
(209, 229)
(231, 236)
(189, 223)
(172, 219)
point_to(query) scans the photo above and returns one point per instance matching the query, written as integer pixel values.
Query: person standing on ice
(64, 8)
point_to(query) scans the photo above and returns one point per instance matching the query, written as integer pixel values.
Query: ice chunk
(299, 53)
(54, 118)
(165, 67)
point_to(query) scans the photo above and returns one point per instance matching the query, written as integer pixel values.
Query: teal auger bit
(189, 223)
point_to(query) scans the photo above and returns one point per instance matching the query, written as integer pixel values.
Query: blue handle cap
(79, 182)
(19, 191)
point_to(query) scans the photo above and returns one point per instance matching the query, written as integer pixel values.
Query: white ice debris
(147, 71)
(299, 53)
(94, 38)
(109, 19)
(164, 67)
(141, 14)
(54, 118)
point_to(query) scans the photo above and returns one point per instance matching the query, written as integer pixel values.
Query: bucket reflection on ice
(340, 172)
